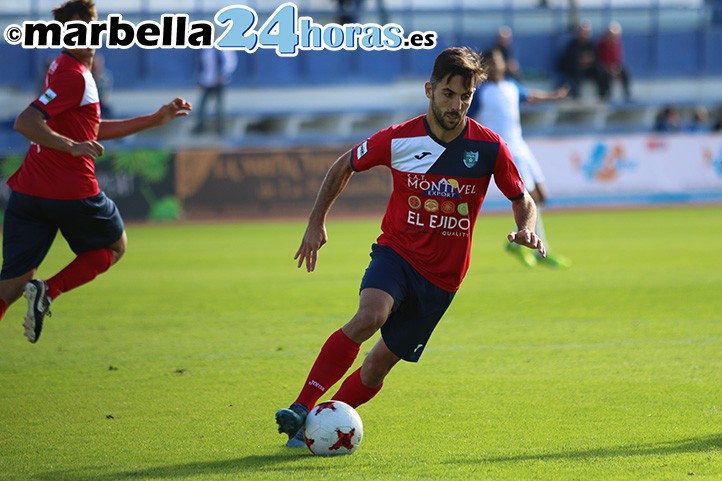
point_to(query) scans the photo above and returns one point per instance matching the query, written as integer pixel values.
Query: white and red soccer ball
(333, 428)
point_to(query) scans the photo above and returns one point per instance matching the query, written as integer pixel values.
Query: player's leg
(539, 195)
(382, 288)
(340, 350)
(27, 237)
(404, 335)
(365, 382)
(361, 385)
(336, 357)
(12, 289)
(94, 230)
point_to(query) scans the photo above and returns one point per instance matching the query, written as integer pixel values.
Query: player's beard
(448, 120)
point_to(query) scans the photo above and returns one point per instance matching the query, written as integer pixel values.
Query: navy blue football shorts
(31, 223)
(418, 304)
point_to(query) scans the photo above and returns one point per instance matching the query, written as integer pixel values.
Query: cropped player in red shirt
(55, 187)
(441, 164)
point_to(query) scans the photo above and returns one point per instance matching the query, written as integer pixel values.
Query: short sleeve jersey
(69, 103)
(438, 190)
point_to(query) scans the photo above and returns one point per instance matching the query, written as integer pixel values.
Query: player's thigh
(374, 306)
(409, 327)
(28, 234)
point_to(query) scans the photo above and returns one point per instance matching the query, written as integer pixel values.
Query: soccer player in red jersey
(441, 164)
(55, 188)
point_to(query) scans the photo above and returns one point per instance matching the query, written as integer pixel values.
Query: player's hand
(529, 239)
(177, 107)
(313, 239)
(89, 148)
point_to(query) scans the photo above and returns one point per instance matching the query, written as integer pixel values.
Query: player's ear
(428, 89)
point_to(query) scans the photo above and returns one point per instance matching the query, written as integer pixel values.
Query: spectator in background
(104, 82)
(503, 45)
(349, 11)
(611, 60)
(579, 62)
(215, 68)
(668, 120)
(717, 123)
(699, 121)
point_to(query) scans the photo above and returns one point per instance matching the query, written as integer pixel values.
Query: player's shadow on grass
(702, 444)
(273, 462)
(277, 462)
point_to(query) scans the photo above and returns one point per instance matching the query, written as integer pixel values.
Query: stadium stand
(672, 48)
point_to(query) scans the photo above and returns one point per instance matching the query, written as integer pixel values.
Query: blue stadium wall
(649, 55)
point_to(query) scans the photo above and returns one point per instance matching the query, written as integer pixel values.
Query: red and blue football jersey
(70, 104)
(438, 190)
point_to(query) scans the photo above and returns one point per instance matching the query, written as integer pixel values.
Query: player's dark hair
(75, 10)
(462, 61)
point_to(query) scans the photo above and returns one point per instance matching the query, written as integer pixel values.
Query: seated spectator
(699, 121)
(503, 45)
(611, 60)
(579, 61)
(717, 124)
(668, 120)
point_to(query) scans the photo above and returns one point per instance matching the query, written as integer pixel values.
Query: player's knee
(12, 289)
(374, 370)
(365, 324)
(373, 377)
(372, 318)
(118, 248)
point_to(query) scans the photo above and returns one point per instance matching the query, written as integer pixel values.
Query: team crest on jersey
(47, 96)
(470, 159)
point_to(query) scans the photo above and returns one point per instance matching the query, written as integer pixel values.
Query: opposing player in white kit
(497, 107)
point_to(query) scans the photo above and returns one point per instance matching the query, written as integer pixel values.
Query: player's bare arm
(31, 124)
(315, 236)
(525, 216)
(113, 129)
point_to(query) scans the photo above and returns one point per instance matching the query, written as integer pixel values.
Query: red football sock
(84, 268)
(336, 357)
(353, 392)
(3, 308)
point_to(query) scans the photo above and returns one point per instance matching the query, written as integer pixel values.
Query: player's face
(85, 55)
(450, 100)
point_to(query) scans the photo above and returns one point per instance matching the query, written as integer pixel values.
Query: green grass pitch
(171, 365)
